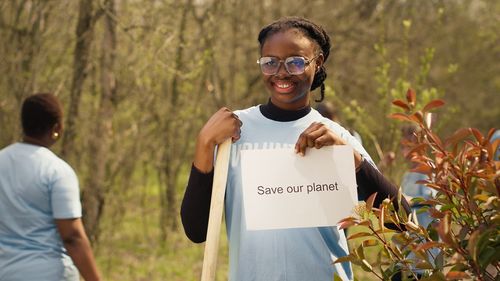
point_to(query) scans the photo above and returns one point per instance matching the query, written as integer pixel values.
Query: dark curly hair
(313, 32)
(39, 113)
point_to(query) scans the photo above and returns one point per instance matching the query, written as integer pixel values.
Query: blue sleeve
(65, 194)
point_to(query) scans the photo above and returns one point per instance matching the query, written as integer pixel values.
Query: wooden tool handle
(216, 208)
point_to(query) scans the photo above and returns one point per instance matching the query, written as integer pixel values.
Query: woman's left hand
(316, 135)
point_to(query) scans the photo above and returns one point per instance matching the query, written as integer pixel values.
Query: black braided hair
(313, 32)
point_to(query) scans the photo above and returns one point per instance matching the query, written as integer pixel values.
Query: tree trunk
(84, 38)
(94, 197)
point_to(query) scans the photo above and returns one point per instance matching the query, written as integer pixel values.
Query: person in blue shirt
(293, 54)
(41, 232)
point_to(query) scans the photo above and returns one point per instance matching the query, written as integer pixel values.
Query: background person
(41, 232)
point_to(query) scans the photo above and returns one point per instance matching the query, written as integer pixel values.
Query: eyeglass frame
(307, 62)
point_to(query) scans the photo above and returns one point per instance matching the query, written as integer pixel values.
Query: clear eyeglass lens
(269, 65)
(293, 65)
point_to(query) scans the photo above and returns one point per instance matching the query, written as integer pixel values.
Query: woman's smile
(283, 86)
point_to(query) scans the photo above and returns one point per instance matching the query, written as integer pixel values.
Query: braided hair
(310, 30)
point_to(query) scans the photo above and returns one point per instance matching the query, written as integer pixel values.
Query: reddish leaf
(459, 135)
(411, 97)
(493, 147)
(490, 133)
(444, 229)
(433, 104)
(418, 148)
(428, 245)
(478, 135)
(435, 213)
(422, 169)
(345, 224)
(456, 275)
(436, 139)
(400, 116)
(369, 202)
(401, 104)
(370, 242)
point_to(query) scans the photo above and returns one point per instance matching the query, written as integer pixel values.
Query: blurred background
(139, 78)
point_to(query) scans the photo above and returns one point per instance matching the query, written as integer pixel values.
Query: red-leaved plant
(465, 232)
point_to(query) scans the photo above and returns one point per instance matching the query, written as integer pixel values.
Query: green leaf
(366, 266)
(348, 258)
(359, 234)
(360, 252)
(336, 277)
(424, 265)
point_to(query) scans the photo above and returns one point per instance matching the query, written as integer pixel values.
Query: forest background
(139, 78)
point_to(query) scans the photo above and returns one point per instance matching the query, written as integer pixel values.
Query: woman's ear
(56, 131)
(319, 62)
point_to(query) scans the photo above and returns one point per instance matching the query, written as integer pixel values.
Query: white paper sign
(284, 190)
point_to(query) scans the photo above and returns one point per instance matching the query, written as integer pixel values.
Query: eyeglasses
(293, 65)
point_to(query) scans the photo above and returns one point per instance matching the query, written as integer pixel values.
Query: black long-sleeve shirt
(195, 206)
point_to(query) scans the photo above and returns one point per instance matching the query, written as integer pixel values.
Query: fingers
(316, 135)
(222, 125)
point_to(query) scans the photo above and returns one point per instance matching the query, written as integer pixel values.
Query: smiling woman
(293, 52)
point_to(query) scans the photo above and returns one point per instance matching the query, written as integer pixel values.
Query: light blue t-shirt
(36, 187)
(286, 254)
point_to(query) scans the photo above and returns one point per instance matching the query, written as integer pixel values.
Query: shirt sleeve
(195, 208)
(370, 180)
(65, 194)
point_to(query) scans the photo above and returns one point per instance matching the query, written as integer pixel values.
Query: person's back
(32, 180)
(42, 237)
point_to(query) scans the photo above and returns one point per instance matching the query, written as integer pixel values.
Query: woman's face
(290, 92)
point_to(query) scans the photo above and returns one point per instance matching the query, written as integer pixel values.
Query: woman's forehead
(293, 40)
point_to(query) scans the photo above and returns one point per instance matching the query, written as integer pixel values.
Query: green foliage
(466, 227)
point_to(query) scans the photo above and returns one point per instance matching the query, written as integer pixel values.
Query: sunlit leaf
(359, 234)
(348, 258)
(459, 135)
(477, 134)
(346, 224)
(401, 104)
(418, 148)
(370, 243)
(360, 252)
(424, 265)
(456, 275)
(400, 116)
(444, 229)
(381, 217)
(366, 266)
(336, 277)
(433, 104)
(369, 202)
(411, 97)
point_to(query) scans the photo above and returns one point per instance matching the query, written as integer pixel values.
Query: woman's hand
(222, 125)
(318, 135)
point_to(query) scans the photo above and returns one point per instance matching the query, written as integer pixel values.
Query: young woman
(41, 234)
(293, 52)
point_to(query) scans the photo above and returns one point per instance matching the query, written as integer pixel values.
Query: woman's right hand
(222, 125)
